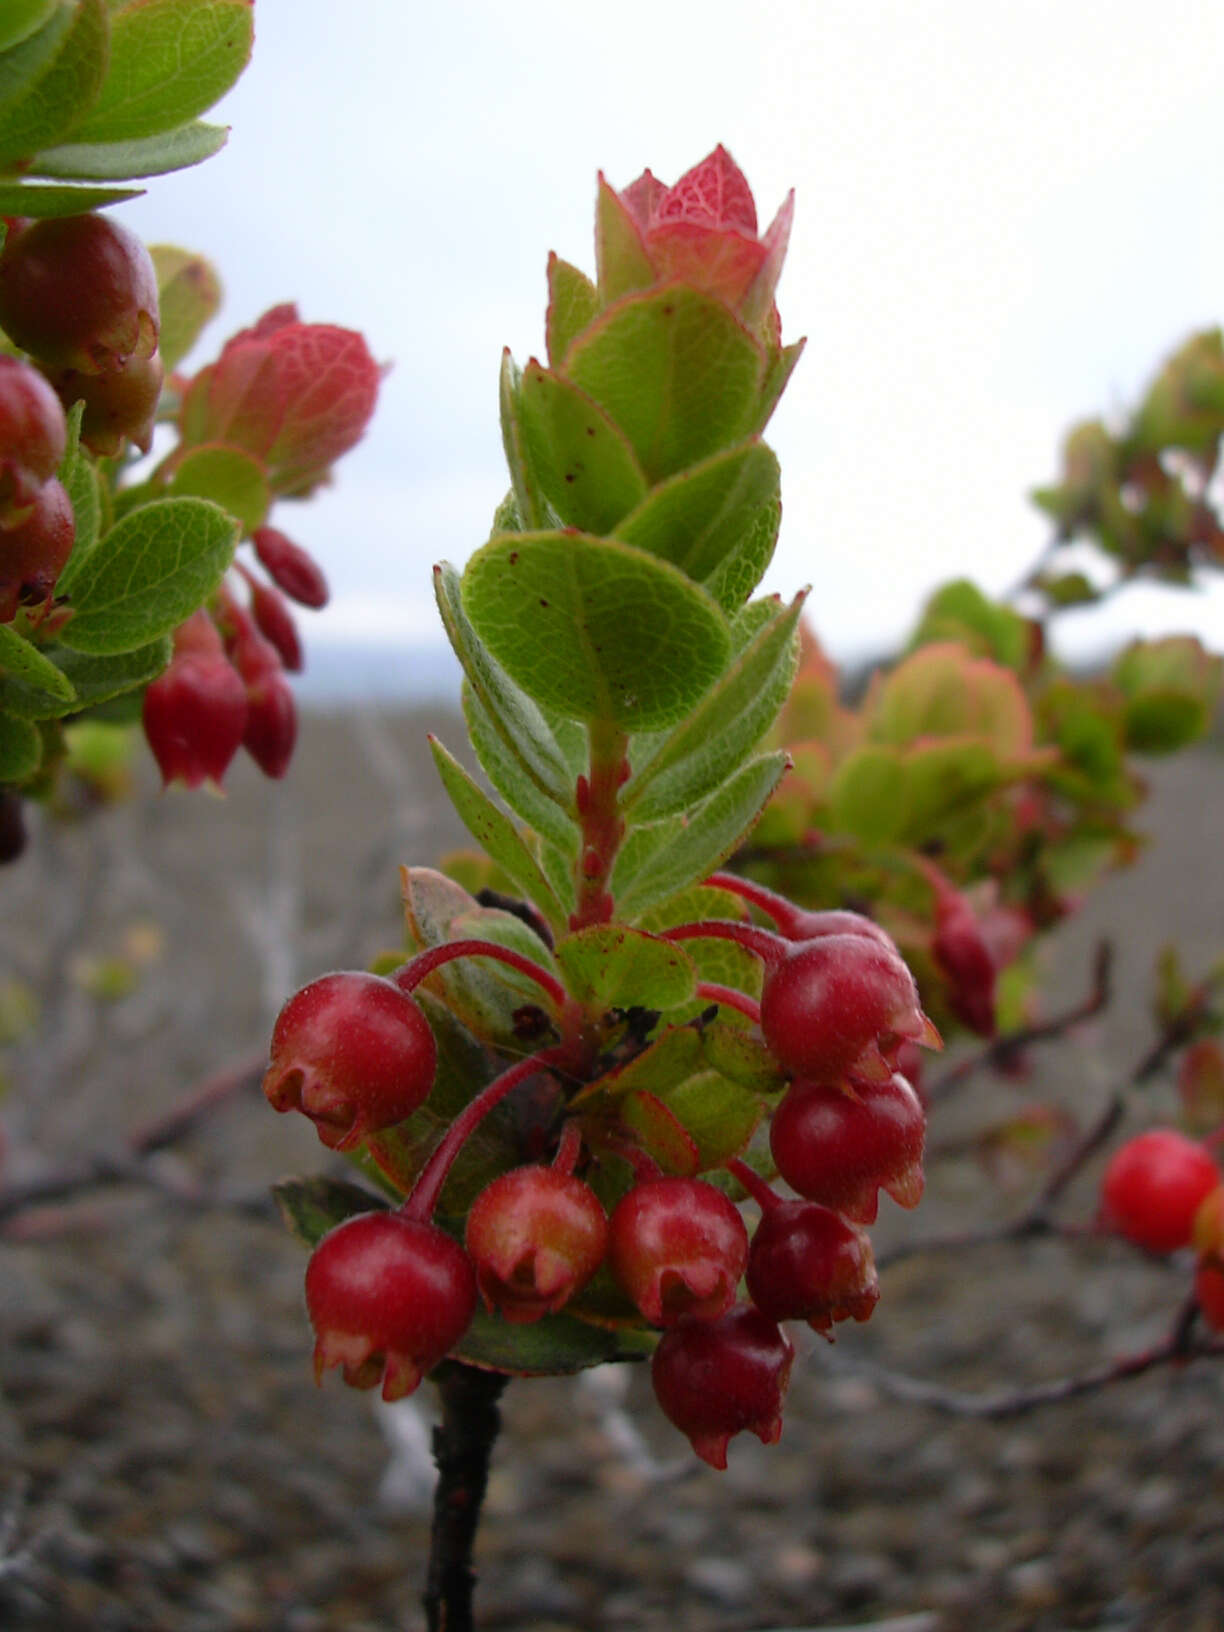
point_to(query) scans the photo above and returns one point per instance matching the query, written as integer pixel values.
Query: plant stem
(462, 1447)
(598, 800)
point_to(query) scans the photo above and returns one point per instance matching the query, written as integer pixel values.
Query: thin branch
(463, 1446)
(1178, 1347)
(1003, 1049)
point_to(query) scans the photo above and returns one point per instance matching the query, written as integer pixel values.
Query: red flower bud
(195, 713)
(271, 717)
(290, 567)
(271, 612)
(293, 395)
(703, 232)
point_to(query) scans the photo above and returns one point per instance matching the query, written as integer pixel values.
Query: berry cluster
(391, 1293)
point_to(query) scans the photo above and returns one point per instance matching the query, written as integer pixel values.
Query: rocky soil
(169, 1466)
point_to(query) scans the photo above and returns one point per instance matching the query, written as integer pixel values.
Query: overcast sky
(1006, 216)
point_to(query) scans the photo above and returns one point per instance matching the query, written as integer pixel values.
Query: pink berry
(807, 1263)
(717, 1378)
(677, 1247)
(33, 435)
(35, 551)
(835, 1005)
(1153, 1187)
(388, 1298)
(79, 292)
(354, 1054)
(536, 1237)
(841, 1148)
(195, 713)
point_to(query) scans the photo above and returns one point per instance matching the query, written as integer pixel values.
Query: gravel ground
(169, 1466)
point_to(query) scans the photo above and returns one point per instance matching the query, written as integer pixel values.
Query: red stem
(416, 969)
(761, 1193)
(732, 998)
(425, 1192)
(569, 1149)
(769, 901)
(597, 797)
(763, 943)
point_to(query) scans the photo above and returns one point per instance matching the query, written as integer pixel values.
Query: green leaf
(584, 466)
(312, 1206)
(661, 1133)
(868, 794)
(80, 477)
(21, 18)
(699, 518)
(573, 302)
(1161, 722)
(594, 628)
(703, 842)
(20, 749)
(781, 367)
(229, 477)
(28, 198)
(676, 371)
(943, 779)
(188, 295)
(620, 255)
(149, 573)
(169, 61)
(51, 78)
(615, 967)
(959, 611)
(145, 156)
(725, 727)
(719, 1116)
(556, 1346)
(496, 834)
(22, 661)
(518, 720)
(93, 680)
(530, 502)
(505, 771)
(743, 1056)
(738, 574)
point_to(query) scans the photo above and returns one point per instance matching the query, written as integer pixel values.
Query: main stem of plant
(599, 819)
(462, 1446)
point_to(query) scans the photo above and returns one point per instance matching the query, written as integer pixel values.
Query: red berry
(716, 1378)
(195, 713)
(1153, 1187)
(965, 960)
(290, 567)
(354, 1054)
(388, 1298)
(807, 1263)
(79, 292)
(677, 1247)
(841, 1148)
(835, 1004)
(34, 553)
(536, 1237)
(120, 404)
(33, 435)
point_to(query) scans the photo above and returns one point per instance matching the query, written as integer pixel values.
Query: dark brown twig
(462, 1446)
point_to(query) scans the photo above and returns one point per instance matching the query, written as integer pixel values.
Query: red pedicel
(388, 1297)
